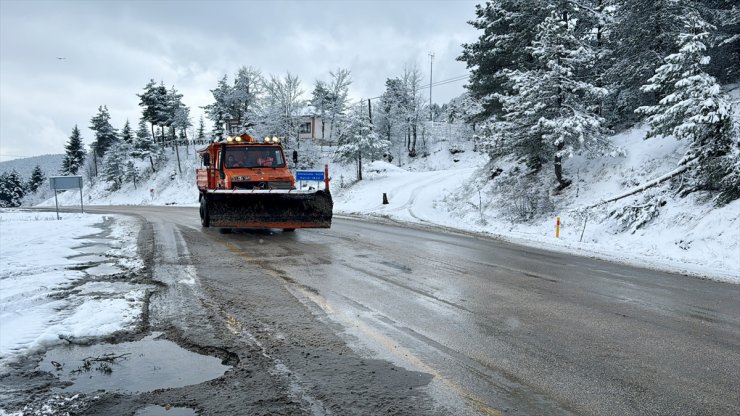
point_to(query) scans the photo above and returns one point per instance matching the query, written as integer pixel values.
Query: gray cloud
(112, 49)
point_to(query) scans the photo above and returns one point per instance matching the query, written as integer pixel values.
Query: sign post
(63, 183)
(310, 175)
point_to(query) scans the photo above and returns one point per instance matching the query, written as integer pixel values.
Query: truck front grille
(261, 185)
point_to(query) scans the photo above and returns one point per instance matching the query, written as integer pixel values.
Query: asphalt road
(450, 323)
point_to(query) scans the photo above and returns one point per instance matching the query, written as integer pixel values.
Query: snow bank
(47, 290)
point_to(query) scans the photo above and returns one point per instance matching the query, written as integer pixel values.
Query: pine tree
(75, 154)
(105, 134)
(639, 33)
(694, 108)
(11, 190)
(114, 166)
(548, 117)
(399, 114)
(201, 129)
(131, 174)
(391, 119)
(509, 27)
(154, 105)
(358, 141)
(144, 144)
(181, 119)
(320, 99)
(126, 134)
(219, 111)
(37, 178)
(725, 63)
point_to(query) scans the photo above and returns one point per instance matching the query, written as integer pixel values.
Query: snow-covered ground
(65, 279)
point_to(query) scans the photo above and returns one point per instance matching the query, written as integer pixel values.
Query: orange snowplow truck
(243, 183)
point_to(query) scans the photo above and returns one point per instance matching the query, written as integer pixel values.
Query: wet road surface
(480, 326)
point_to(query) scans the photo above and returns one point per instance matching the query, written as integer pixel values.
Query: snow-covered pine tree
(154, 105)
(144, 144)
(320, 99)
(171, 109)
(726, 51)
(131, 174)
(11, 189)
(218, 128)
(548, 117)
(391, 116)
(401, 112)
(105, 134)
(358, 141)
(37, 178)
(639, 34)
(178, 121)
(126, 134)
(694, 108)
(201, 133)
(508, 28)
(74, 154)
(114, 164)
(219, 111)
(181, 120)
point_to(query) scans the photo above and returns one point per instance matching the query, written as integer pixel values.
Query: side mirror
(206, 160)
(295, 156)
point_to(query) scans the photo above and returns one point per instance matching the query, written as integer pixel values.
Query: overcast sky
(112, 49)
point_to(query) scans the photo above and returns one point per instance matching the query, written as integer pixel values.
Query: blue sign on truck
(309, 175)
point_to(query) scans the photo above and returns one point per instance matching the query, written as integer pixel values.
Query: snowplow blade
(268, 209)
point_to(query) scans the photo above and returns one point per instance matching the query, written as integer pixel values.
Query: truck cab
(243, 163)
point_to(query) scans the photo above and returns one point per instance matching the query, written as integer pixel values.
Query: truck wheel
(205, 218)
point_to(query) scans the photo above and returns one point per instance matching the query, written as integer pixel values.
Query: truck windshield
(254, 157)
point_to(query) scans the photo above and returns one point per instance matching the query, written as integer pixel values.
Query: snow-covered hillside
(49, 164)
(452, 189)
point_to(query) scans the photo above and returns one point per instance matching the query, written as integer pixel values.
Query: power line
(433, 84)
(447, 81)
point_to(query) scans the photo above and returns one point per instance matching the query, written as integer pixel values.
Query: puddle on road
(92, 248)
(105, 269)
(88, 258)
(154, 410)
(141, 366)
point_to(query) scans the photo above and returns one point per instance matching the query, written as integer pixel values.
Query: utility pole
(431, 61)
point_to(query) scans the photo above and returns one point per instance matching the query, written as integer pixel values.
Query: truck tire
(205, 219)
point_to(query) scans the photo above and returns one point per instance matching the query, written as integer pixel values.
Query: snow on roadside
(61, 279)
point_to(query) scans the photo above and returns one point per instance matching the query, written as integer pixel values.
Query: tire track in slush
(418, 186)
